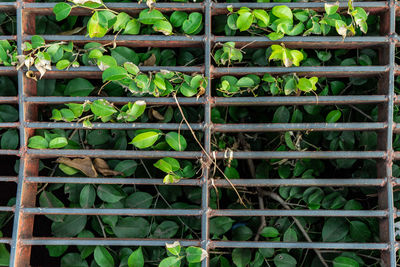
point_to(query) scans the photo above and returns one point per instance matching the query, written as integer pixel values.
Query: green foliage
(281, 21)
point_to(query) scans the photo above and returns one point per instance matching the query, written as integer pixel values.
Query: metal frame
(28, 179)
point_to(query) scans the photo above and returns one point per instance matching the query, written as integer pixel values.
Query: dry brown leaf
(83, 164)
(151, 61)
(157, 115)
(102, 167)
(31, 75)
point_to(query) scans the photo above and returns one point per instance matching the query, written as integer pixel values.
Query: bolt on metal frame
(25, 209)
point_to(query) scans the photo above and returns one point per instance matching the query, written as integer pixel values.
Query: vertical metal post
(207, 134)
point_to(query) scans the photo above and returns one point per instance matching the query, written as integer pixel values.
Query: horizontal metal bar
(126, 5)
(155, 38)
(396, 128)
(8, 37)
(9, 124)
(8, 70)
(380, 4)
(8, 179)
(119, 126)
(49, 153)
(324, 41)
(54, 153)
(115, 100)
(41, 241)
(6, 209)
(125, 181)
(273, 127)
(9, 152)
(219, 101)
(304, 245)
(301, 213)
(300, 182)
(104, 211)
(9, 100)
(396, 155)
(396, 181)
(328, 71)
(302, 154)
(5, 240)
(298, 100)
(142, 68)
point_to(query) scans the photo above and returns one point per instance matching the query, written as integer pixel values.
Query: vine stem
(205, 152)
(277, 198)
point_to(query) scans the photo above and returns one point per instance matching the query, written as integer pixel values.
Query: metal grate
(27, 180)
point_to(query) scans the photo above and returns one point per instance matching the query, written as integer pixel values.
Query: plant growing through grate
(288, 141)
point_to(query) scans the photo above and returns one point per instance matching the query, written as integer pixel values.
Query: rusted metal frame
(9, 100)
(302, 245)
(113, 212)
(219, 101)
(206, 164)
(348, 182)
(118, 126)
(300, 213)
(384, 166)
(53, 153)
(246, 127)
(26, 192)
(8, 179)
(9, 124)
(275, 127)
(128, 242)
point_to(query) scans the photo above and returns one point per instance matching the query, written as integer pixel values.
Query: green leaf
(167, 165)
(333, 116)
(282, 12)
(270, 232)
(344, 262)
(171, 178)
(102, 108)
(61, 10)
(73, 259)
(56, 251)
(281, 115)
(37, 41)
(166, 229)
(176, 141)
(58, 142)
(290, 235)
(331, 9)
(195, 254)
(102, 257)
(174, 248)
(131, 227)
(193, 23)
(242, 233)
(38, 142)
(133, 27)
(261, 15)
(62, 64)
(78, 87)
(177, 18)
(139, 200)
(148, 16)
(244, 21)
(163, 26)
(359, 231)
(241, 257)
(304, 85)
(71, 226)
(121, 22)
(135, 110)
(334, 229)
(245, 82)
(136, 258)
(127, 167)
(170, 262)
(49, 200)
(110, 193)
(114, 74)
(97, 25)
(145, 140)
(131, 68)
(284, 260)
(10, 139)
(124, 55)
(220, 225)
(87, 196)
